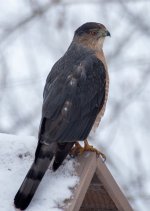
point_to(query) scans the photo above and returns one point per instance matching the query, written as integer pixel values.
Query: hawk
(74, 101)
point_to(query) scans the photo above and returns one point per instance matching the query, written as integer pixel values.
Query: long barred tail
(34, 176)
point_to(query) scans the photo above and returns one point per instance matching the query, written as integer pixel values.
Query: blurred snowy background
(35, 33)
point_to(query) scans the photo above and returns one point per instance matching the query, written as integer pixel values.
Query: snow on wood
(16, 156)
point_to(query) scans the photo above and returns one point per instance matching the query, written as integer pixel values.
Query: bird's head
(91, 34)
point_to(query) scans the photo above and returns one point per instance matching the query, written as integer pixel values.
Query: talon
(88, 147)
(76, 150)
(103, 156)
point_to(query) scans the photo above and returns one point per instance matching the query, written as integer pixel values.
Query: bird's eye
(93, 33)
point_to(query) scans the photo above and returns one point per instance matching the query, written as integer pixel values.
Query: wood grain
(85, 171)
(112, 187)
(108, 197)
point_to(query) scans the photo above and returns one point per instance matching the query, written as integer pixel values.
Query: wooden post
(111, 187)
(85, 171)
(89, 165)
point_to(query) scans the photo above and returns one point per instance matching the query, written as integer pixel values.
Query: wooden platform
(97, 189)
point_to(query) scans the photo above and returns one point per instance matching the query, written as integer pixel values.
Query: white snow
(16, 156)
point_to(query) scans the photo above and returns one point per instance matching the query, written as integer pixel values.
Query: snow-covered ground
(16, 156)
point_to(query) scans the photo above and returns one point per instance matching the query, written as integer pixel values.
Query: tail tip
(16, 209)
(21, 201)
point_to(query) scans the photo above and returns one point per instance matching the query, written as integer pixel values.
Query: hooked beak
(103, 33)
(107, 33)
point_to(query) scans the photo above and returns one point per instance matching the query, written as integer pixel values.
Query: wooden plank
(85, 170)
(111, 187)
(97, 198)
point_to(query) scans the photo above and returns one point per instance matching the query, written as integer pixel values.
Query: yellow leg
(88, 147)
(78, 150)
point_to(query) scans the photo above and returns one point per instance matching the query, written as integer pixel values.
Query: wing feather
(73, 98)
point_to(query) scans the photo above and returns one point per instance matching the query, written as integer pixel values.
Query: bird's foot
(76, 150)
(79, 150)
(88, 147)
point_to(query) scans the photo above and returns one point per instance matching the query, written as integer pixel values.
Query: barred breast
(100, 56)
